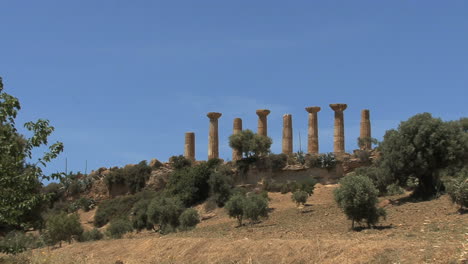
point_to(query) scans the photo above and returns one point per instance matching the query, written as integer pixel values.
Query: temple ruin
(287, 138)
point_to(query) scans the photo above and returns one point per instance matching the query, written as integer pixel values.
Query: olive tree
(422, 147)
(357, 197)
(250, 144)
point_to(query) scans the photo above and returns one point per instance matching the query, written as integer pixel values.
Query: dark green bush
(91, 235)
(250, 144)
(251, 206)
(277, 161)
(324, 161)
(299, 197)
(179, 162)
(140, 215)
(255, 206)
(394, 189)
(62, 227)
(16, 242)
(119, 207)
(379, 177)
(221, 184)
(165, 212)
(118, 227)
(307, 185)
(422, 147)
(457, 188)
(133, 176)
(190, 185)
(189, 219)
(85, 203)
(357, 197)
(272, 186)
(235, 207)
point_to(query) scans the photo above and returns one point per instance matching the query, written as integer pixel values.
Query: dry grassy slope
(423, 232)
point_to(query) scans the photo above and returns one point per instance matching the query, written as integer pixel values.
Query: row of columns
(287, 144)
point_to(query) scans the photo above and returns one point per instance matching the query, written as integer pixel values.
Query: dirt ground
(414, 232)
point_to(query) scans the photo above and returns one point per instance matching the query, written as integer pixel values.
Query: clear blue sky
(122, 81)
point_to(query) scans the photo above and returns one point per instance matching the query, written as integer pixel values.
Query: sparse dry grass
(422, 232)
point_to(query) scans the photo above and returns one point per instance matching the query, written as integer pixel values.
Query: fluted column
(262, 121)
(237, 128)
(365, 130)
(312, 131)
(339, 137)
(189, 148)
(287, 134)
(213, 139)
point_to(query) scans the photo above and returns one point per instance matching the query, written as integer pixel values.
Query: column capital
(262, 112)
(214, 115)
(365, 114)
(338, 107)
(313, 109)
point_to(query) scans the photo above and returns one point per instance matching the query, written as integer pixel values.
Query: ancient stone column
(287, 134)
(262, 121)
(213, 139)
(237, 127)
(339, 137)
(189, 149)
(365, 130)
(312, 131)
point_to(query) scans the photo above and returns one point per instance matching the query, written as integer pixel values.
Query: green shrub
(235, 207)
(189, 219)
(252, 206)
(255, 206)
(299, 197)
(91, 235)
(221, 184)
(16, 242)
(457, 188)
(84, 203)
(307, 185)
(119, 207)
(277, 161)
(190, 185)
(250, 144)
(165, 212)
(62, 227)
(324, 161)
(272, 186)
(139, 218)
(179, 162)
(379, 177)
(422, 147)
(118, 227)
(132, 176)
(357, 197)
(394, 189)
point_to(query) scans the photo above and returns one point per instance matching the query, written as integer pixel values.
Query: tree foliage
(63, 227)
(421, 147)
(21, 174)
(134, 176)
(357, 197)
(165, 212)
(251, 206)
(250, 144)
(299, 197)
(457, 188)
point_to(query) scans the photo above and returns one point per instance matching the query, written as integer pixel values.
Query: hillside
(414, 232)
